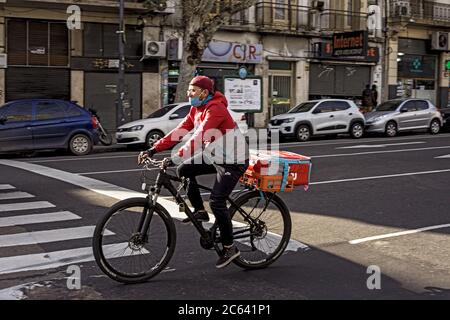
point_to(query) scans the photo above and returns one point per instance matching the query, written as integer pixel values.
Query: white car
(317, 117)
(149, 130)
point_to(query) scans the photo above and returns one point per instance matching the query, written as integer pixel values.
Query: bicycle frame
(164, 180)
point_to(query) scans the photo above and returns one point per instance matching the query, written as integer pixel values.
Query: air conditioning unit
(3, 60)
(402, 9)
(155, 49)
(440, 41)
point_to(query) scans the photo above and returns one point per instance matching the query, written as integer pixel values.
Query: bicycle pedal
(181, 207)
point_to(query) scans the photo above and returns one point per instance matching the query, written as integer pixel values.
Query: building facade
(287, 44)
(417, 43)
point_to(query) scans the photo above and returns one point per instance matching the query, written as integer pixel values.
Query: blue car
(37, 124)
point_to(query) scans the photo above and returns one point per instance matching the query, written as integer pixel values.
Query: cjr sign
(350, 44)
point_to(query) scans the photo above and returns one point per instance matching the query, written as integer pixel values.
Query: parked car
(398, 115)
(318, 117)
(37, 124)
(445, 113)
(149, 130)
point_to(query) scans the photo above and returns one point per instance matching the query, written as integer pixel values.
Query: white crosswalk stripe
(37, 218)
(56, 259)
(15, 195)
(6, 187)
(25, 206)
(27, 238)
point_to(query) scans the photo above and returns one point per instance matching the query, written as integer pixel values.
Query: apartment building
(418, 46)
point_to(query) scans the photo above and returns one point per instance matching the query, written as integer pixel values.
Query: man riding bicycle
(216, 146)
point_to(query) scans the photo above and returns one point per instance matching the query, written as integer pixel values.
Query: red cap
(203, 82)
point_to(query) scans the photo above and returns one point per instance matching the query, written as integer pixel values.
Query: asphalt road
(377, 203)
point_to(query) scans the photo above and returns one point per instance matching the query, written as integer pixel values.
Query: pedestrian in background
(367, 99)
(374, 95)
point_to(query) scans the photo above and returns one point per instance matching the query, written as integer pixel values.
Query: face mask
(195, 101)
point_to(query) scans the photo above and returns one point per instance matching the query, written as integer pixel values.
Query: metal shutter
(26, 83)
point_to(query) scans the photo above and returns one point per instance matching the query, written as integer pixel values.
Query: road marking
(27, 238)
(25, 206)
(398, 234)
(56, 259)
(37, 218)
(6, 187)
(444, 157)
(377, 152)
(362, 146)
(15, 195)
(114, 171)
(381, 177)
(109, 190)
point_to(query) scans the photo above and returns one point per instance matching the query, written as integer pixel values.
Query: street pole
(121, 83)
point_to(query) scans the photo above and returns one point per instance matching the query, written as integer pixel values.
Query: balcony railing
(427, 12)
(277, 17)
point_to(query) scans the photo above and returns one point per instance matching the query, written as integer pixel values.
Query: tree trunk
(187, 72)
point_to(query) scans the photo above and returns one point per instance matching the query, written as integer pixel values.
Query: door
(49, 128)
(15, 132)
(408, 118)
(343, 115)
(424, 113)
(101, 94)
(323, 118)
(280, 94)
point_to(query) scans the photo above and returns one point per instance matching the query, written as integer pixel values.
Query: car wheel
(303, 133)
(356, 130)
(152, 137)
(80, 145)
(391, 129)
(435, 126)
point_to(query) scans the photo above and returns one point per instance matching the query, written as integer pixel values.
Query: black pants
(227, 176)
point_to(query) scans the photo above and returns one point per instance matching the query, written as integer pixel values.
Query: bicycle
(139, 253)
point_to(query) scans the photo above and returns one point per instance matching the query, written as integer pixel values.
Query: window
(324, 107)
(409, 106)
(72, 110)
(101, 40)
(421, 105)
(183, 111)
(20, 111)
(37, 43)
(50, 110)
(341, 106)
(280, 9)
(160, 112)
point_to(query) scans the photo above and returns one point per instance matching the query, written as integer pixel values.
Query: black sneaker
(200, 215)
(229, 254)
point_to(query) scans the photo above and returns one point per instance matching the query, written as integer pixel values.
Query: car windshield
(303, 107)
(388, 106)
(160, 112)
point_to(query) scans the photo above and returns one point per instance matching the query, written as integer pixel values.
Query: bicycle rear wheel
(263, 237)
(122, 253)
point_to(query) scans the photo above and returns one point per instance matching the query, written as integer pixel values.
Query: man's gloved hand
(146, 154)
(168, 162)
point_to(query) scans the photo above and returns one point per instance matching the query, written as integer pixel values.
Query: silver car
(398, 115)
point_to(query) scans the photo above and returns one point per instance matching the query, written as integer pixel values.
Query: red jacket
(213, 115)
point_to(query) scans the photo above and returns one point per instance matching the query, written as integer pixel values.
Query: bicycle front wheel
(126, 255)
(261, 229)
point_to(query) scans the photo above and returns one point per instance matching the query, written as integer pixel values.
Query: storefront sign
(325, 51)
(221, 51)
(244, 94)
(417, 66)
(37, 50)
(350, 44)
